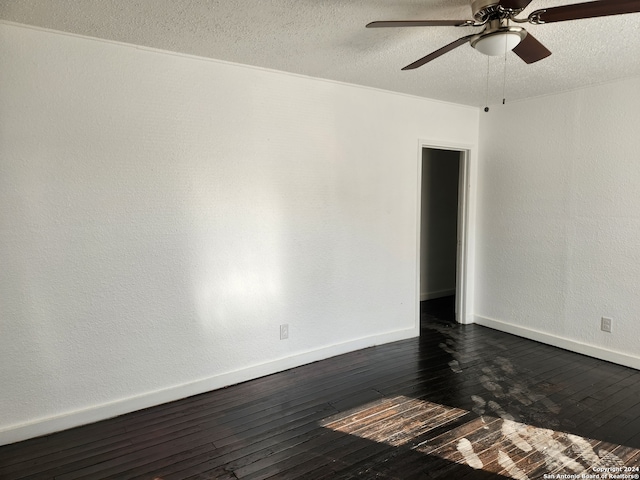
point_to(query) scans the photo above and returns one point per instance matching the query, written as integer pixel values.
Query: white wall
(558, 222)
(439, 220)
(162, 215)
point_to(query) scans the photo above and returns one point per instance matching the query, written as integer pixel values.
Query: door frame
(466, 230)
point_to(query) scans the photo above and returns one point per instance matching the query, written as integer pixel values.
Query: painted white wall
(161, 216)
(558, 220)
(439, 214)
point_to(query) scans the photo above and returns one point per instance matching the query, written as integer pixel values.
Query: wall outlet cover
(284, 331)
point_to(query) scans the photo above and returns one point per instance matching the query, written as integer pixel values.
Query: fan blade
(531, 50)
(602, 8)
(514, 4)
(420, 23)
(437, 53)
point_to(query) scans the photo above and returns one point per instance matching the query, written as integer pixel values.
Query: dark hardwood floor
(460, 402)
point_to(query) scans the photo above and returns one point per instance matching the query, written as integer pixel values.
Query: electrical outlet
(284, 331)
(605, 324)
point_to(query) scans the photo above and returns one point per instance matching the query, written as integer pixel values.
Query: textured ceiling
(328, 39)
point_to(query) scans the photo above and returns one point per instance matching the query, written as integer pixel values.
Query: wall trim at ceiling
(235, 64)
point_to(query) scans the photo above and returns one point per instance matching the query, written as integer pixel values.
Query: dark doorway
(439, 223)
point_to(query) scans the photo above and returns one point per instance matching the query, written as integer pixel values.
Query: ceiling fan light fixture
(500, 42)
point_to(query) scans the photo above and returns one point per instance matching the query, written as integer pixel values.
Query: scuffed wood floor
(461, 402)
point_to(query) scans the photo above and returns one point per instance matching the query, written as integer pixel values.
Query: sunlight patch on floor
(394, 421)
(493, 444)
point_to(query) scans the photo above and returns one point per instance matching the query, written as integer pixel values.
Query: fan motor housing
(484, 9)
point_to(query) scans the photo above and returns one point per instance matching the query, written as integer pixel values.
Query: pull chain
(486, 103)
(504, 72)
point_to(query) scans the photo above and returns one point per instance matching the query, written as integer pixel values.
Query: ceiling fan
(498, 36)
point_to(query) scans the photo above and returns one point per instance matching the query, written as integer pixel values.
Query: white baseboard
(561, 342)
(45, 426)
(437, 294)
